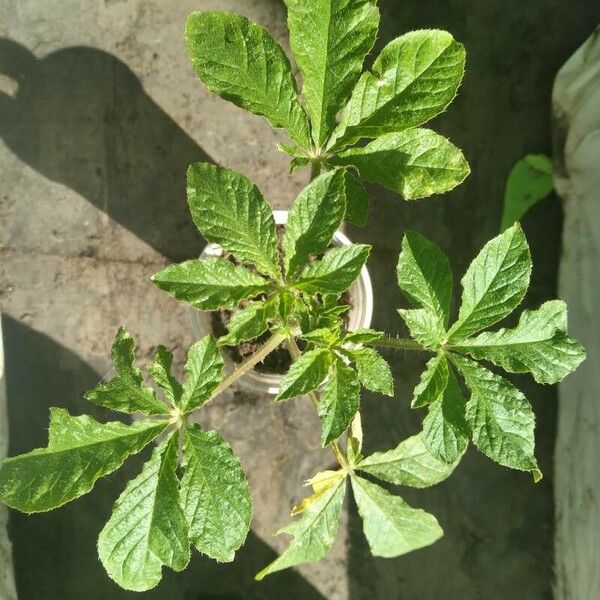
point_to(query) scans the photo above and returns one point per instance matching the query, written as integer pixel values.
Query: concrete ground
(99, 116)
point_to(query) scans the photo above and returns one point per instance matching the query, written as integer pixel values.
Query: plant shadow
(80, 117)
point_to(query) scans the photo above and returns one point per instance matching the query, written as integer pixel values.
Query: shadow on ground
(82, 118)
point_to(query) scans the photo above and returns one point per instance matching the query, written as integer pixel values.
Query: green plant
(529, 181)
(291, 288)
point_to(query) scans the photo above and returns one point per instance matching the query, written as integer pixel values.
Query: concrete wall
(576, 99)
(99, 116)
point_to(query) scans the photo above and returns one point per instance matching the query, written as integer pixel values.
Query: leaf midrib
(48, 451)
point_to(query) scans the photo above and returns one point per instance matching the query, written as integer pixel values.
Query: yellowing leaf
(320, 483)
(314, 532)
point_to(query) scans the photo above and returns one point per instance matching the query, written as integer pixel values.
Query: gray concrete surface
(99, 116)
(575, 100)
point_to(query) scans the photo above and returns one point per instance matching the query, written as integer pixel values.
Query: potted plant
(289, 285)
(266, 376)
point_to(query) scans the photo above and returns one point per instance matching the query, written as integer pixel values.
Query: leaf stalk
(398, 344)
(271, 344)
(295, 352)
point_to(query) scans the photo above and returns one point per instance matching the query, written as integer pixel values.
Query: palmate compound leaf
(373, 370)
(425, 277)
(229, 210)
(306, 374)
(314, 532)
(80, 451)
(204, 370)
(240, 61)
(539, 344)
(339, 401)
(211, 283)
(313, 219)
(147, 528)
(445, 430)
(391, 526)
(500, 417)
(335, 272)
(160, 369)
(415, 163)
(410, 464)
(494, 283)
(330, 39)
(414, 78)
(214, 494)
(125, 392)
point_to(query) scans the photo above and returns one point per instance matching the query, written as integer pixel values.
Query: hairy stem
(314, 396)
(250, 362)
(398, 344)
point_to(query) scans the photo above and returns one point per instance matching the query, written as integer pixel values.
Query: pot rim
(269, 383)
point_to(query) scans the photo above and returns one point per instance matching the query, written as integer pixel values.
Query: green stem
(315, 169)
(295, 352)
(398, 344)
(250, 362)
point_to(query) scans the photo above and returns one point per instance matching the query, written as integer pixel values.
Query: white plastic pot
(359, 315)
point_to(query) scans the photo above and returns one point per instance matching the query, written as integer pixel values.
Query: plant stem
(398, 344)
(314, 396)
(250, 362)
(315, 169)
